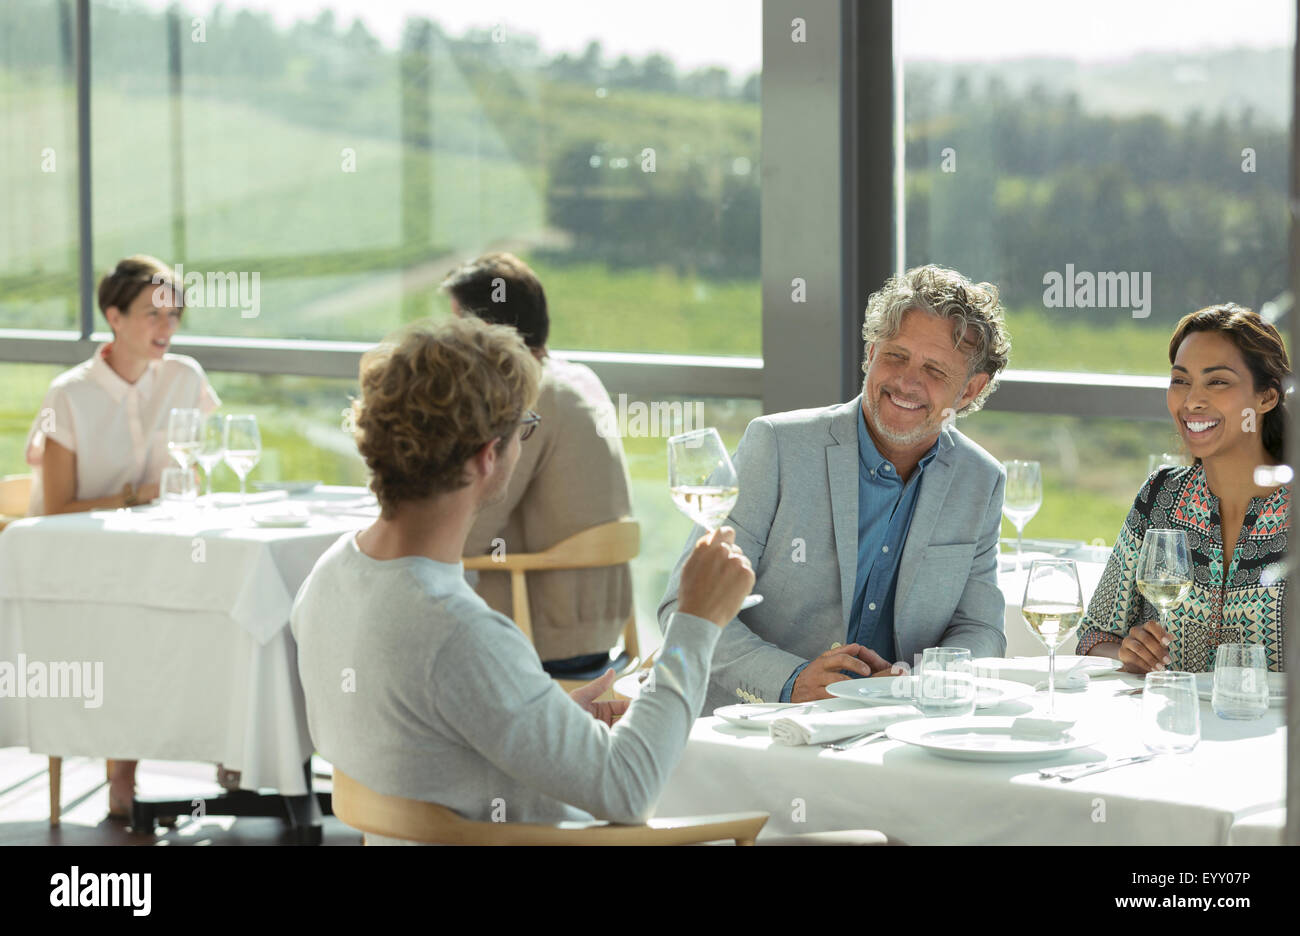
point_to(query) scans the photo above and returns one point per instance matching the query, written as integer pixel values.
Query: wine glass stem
(1164, 626)
(1051, 681)
(241, 492)
(1020, 544)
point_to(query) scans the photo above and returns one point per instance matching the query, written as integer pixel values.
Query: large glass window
(38, 166)
(1111, 166)
(323, 166)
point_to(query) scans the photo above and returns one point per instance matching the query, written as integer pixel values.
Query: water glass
(178, 488)
(1171, 712)
(1240, 681)
(946, 685)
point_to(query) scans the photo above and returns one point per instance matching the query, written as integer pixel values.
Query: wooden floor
(25, 806)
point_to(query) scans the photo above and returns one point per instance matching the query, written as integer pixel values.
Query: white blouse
(118, 430)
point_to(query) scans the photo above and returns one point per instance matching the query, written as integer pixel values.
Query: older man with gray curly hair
(872, 525)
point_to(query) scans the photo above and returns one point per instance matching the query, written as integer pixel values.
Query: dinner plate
(1276, 688)
(733, 714)
(984, 738)
(276, 520)
(292, 487)
(898, 690)
(1033, 670)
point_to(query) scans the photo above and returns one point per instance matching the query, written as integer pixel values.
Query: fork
(846, 743)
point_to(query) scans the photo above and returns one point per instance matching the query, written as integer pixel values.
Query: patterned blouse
(1247, 611)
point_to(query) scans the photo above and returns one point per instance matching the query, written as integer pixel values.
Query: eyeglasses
(528, 425)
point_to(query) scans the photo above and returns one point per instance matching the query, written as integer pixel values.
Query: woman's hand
(1145, 649)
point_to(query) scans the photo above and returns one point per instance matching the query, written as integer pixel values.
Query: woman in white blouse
(100, 438)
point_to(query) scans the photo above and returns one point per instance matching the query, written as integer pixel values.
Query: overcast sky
(728, 32)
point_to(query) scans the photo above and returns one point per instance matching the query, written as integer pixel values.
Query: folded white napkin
(1028, 728)
(821, 727)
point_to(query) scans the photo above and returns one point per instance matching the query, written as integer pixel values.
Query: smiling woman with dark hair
(1228, 369)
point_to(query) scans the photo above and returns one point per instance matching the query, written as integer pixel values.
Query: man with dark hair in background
(572, 475)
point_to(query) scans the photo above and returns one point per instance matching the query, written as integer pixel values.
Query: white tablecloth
(188, 616)
(1237, 772)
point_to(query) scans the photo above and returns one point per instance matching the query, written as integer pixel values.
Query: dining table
(176, 615)
(1229, 789)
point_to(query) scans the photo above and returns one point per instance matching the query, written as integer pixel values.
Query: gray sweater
(416, 688)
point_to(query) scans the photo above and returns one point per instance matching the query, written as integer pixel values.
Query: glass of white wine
(1164, 575)
(243, 444)
(1052, 607)
(703, 481)
(183, 435)
(1022, 497)
(212, 446)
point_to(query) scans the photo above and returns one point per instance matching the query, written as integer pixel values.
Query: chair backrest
(15, 492)
(377, 813)
(608, 544)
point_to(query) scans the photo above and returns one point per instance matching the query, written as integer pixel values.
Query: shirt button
(884, 549)
(836, 645)
(872, 606)
(873, 472)
(884, 467)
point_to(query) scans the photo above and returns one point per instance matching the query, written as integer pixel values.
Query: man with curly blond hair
(414, 686)
(873, 524)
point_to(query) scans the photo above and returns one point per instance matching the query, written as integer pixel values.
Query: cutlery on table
(797, 710)
(845, 744)
(1067, 774)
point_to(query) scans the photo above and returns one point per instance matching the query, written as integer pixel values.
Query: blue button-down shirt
(885, 508)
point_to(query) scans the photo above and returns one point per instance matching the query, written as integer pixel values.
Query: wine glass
(703, 481)
(183, 435)
(1164, 574)
(1052, 607)
(1023, 497)
(243, 444)
(212, 446)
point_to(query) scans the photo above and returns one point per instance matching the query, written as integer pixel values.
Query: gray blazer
(797, 521)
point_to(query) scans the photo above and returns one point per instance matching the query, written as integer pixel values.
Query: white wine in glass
(1164, 574)
(183, 435)
(1022, 497)
(1052, 607)
(243, 448)
(703, 482)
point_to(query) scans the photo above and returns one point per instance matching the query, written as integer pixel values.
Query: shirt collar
(113, 382)
(874, 462)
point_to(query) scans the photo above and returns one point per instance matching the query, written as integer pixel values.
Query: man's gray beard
(919, 434)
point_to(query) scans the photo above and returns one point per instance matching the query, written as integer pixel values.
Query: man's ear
(974, 387)
(484, 461)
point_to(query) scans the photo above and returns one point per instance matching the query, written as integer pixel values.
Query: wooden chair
(608, 544)
(14, 493)
(418, 821)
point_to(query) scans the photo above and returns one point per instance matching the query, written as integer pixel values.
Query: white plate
(983, 738)
(897, 690)
(1033, 670)
(1276, 688)
(732, 713)
(281, 521)
(292, 487)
